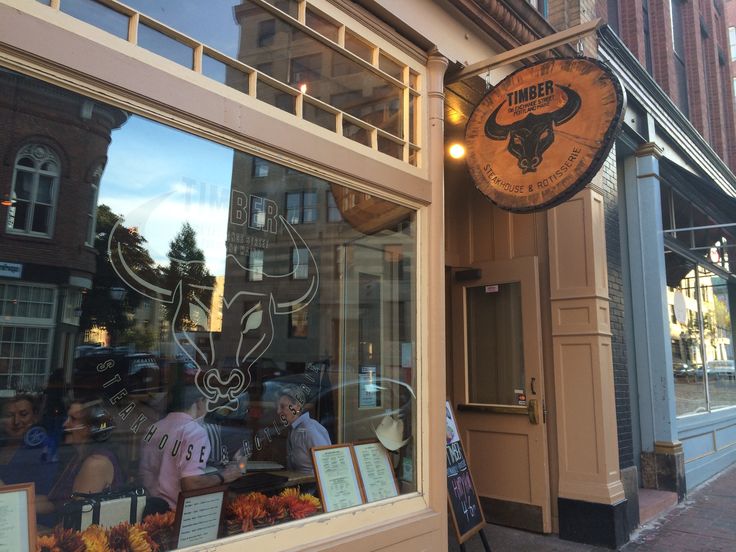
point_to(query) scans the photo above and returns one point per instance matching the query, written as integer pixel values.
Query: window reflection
(266, 35)
(701, 334)
(209, 282)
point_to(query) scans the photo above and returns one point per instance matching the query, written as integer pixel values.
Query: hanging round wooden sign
(543, 132)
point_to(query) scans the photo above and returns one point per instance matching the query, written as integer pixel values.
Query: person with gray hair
(304, 432)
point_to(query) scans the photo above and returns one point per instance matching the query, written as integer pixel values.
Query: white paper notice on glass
(376, 472)
(337, 478)
(200, 518)
(14, 535)
(368, 390)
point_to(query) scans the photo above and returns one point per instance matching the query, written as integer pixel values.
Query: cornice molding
(509, 23)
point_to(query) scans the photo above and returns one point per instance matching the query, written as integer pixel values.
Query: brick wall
(660, 33)
(33, 112)
(609, 186)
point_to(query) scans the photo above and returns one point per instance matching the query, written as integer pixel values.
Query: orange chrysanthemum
(68, 540)
(95, 539)
(160, 529)
(130, 538)
(47, 543)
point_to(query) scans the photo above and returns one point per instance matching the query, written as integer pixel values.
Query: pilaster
(662, 465)
(591, 496)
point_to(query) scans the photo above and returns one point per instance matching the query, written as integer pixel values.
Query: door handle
(532, 409)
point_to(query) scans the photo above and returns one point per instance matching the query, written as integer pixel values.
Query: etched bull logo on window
(534, 134)
(222, 388)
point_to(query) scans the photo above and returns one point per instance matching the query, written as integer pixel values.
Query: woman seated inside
(304, 432)
(93, 467)
(24, 445)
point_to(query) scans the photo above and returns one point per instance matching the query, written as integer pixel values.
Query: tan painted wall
(569, 242)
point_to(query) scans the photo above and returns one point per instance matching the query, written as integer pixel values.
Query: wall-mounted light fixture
(457, 150)
(6, 201)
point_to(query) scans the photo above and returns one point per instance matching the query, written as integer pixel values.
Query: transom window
(283, 52)
(35, 184)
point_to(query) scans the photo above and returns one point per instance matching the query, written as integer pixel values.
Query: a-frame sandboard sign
(463, 503)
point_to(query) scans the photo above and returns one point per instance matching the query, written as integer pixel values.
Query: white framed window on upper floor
(34, 190)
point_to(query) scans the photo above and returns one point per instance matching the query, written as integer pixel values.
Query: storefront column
(433, 295)
(662, 460)
(591, 500)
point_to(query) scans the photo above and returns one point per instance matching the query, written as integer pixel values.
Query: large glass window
(216, 342)
(701, 333)
(700, 295)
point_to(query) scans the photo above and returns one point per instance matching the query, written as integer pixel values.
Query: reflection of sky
(147, 160)
(211, 22)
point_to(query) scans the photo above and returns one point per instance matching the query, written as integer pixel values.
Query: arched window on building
(35, 188)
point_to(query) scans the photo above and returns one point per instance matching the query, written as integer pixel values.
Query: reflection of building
(692, 302)
(55, 145)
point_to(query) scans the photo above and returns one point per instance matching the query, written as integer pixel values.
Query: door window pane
(495, 344)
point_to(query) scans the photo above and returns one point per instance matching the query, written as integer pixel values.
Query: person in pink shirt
(175, 449)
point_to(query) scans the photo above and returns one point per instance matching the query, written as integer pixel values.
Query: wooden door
(499, 391)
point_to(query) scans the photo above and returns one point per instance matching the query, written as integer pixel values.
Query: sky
(190, 175)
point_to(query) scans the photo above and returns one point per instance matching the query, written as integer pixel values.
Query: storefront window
(701, 334)
(219, 337)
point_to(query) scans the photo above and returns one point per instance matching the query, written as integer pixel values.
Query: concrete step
(652, 503)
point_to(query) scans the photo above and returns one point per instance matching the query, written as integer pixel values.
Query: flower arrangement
(152, 535)
(156, 532)
(248, 511)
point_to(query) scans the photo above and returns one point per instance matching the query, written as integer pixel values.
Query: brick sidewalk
(704, 522)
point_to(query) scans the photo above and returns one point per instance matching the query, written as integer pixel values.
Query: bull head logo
(219, 388)
(534, 134)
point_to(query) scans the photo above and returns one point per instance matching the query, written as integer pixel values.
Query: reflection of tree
(722, 315)
(101, 307)
(142, 338)
(187, 265)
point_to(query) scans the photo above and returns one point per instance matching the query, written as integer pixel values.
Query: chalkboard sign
(467, 516)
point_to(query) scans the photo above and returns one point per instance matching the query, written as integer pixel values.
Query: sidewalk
(704, 522)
